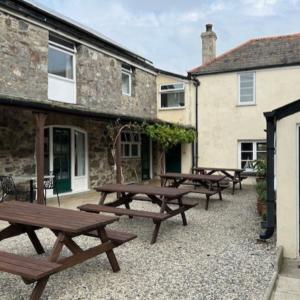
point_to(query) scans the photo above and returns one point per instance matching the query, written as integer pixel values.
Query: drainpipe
(196, 83)
(270, 223)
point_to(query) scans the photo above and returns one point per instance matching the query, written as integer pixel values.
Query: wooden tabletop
(60, 219)
(170, 193)
(200, 177)
(218, 169)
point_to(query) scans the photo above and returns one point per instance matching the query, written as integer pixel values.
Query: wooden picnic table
(162, 196)
(211, 183)
(65, 224)
(235, 175)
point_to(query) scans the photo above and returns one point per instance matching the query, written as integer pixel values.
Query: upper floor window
(246, 88)
(131, 144)
(249, 151)
(172, 95)
(61, 70)
(126, 79)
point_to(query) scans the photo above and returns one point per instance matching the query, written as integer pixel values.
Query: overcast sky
(167, 32)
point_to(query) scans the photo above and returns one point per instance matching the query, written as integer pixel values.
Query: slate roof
(257, 53)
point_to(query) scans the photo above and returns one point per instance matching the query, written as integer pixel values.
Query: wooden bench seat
(117, 237)
(27, 267)
(124, 211)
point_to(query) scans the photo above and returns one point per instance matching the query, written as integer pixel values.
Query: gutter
(270, 223)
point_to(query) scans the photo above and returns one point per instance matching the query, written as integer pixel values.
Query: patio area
(215, 257)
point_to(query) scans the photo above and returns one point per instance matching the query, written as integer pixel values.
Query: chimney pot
(209, 27)
(209, 38)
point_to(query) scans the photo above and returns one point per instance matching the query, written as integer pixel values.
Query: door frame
(74, 179)
(298, 187)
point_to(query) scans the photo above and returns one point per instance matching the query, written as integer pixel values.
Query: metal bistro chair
(8, 188)
(50, 184)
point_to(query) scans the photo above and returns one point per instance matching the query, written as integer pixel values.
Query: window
(61, 70)
(131, 144)
(251, 151)
(172, 95)
(126, 80)
(247, 88)
(79, 142)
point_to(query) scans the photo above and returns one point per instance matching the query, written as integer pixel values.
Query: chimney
(208, 44)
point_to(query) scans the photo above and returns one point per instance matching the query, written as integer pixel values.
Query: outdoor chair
(50, 184)
(8, 188)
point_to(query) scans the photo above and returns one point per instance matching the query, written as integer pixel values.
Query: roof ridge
(240, 46)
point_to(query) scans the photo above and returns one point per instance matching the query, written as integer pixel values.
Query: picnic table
(203, 184)
(162, 196)
(65, 224)
(235, 175)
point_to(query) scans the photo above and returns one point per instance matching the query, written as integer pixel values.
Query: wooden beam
(118, 158)
(40, 119)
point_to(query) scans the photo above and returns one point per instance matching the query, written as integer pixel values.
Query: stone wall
(99, 85)
(23, 58)
(17, 146)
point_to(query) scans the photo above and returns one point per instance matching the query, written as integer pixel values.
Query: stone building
(80, 81)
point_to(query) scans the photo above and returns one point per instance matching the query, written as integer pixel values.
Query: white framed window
(126, 79)
(250, 151)
(172, 95)
(246, 82)
(131, 144)
(61, 70)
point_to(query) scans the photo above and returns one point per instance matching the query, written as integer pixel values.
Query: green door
(62, 159)
(145, 157)
(173, 159)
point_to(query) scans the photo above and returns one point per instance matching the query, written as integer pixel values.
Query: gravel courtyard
(215, 257)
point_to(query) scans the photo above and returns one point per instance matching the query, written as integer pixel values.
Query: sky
(167, 32)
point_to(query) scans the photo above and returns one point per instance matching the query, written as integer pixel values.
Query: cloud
(261, 8)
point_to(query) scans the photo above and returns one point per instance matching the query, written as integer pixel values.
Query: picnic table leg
(157, 223)
(207, 202)
(240, 180)
(102, 198)
(220, 192)
(110, 253)
(184, 222)
(35, 241)
(233, 186)
(39, 288)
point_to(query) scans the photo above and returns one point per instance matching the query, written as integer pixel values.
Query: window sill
(128, 95)
(172, 108)
(246, 104)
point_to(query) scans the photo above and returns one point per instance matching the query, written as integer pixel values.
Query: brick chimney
(208, 44)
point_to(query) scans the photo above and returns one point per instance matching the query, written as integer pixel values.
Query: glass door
(62, 159)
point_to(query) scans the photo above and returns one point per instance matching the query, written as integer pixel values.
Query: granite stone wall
(23, 58)
(99, 85)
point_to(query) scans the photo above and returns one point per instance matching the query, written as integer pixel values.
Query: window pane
(126, 83)
(247, 155)
(175, 99)
(247, 146)
(134, 150)
(261, 147)
(171, 86)
(261, 155)
(60, 63)
(79, 154)
(247, 87)
(127, 150)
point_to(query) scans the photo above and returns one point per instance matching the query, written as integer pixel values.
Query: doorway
(173, 159)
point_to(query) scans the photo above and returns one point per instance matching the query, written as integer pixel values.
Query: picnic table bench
(65, 224)
(208, 185)
(234, 175)
(161, 196)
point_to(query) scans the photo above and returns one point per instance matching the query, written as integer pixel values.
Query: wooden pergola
(41, 110)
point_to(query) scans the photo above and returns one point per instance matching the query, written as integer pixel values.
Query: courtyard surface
(216, 256)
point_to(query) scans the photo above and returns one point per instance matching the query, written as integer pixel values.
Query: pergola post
(118, 158)
(40, 119)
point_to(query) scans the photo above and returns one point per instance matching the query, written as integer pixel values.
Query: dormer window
(61, 70)
(126, 79)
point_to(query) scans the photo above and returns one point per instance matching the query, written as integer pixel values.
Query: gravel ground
(215, 257)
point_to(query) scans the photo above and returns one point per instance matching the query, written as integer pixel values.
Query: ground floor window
(131, 144)
(250, 151)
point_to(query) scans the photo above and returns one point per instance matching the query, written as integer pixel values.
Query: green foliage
(261, 189)
(260, 167)
(170, 135)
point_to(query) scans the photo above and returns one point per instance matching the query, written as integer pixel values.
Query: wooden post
(40, 119)
(118, 158)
